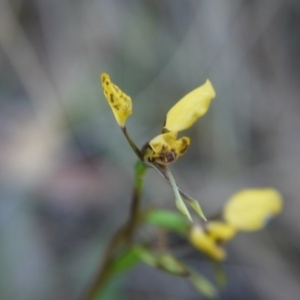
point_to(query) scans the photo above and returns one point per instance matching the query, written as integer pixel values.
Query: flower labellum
(166, 148)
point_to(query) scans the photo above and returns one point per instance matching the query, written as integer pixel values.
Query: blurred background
(66, 171)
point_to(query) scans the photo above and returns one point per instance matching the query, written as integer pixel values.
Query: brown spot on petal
(112, 100)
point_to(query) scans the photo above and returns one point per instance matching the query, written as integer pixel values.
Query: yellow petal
(203, 242)
(119, 102)
(164, 139)
(181, 145)
(191, 107)
(166, 148)
(220, 231)
(250, 209)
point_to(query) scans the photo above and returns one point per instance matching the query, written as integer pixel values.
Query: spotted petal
(119, 102)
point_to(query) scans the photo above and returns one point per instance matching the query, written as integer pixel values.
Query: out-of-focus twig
(25, 62)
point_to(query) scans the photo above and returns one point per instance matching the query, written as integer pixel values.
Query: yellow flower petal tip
(251, 209)
(191, 107)
(165, 148)
(119, 102)
(203, 242)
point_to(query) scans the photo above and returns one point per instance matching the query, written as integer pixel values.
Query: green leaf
(146, 256)
(169, 220)
(203, 285)
(163, 261)
(196, 206)
(178, 200)
(125, 261)
(220, 275)
(182, 208)
(170, 264)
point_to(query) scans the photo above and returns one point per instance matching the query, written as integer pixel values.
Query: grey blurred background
(66, 170)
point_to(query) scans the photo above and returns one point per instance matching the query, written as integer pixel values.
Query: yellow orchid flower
(247, 210)
(165, 148)
(250, 209)
(119, 102)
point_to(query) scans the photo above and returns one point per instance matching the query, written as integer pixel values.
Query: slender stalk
(123, 237)
(103, 274)
(140, 170)
(134, 147)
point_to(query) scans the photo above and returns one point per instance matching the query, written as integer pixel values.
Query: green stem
(103, 274)
(123, 237)
(134, 147)
(140, 170)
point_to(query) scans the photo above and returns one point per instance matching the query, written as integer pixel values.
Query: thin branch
(103, 274)
(134, 147)
(25, 61)
(123, 237)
